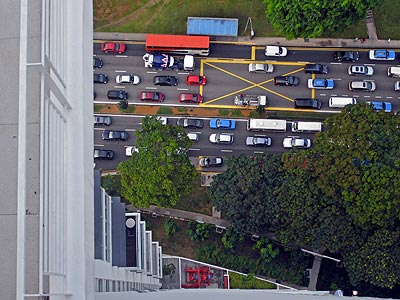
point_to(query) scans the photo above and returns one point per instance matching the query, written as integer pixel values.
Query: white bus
(266, 125)
(298, 126)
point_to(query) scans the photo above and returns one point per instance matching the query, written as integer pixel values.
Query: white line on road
(121, 55)
(130, 129)
(119, 87)
(226, 150)
(183, 73)
(367, 96)
(98, 145)
(378, 97)
(258, 152)
(150, 88)
(120, 71)
(194, 149)
(151, 72)
(180, 89)
(389, 97)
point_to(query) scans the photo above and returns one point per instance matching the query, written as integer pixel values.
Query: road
(227, 73)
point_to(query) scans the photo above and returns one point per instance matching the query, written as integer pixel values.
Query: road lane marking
(226, 150)
(119, 87)
(120, 71)
(194, 149)
(150, 88)
(121, 56)
(181, 89)
(98, 145)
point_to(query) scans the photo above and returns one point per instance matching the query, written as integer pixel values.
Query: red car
(196, 80)
(110, 47)
(190, 97)
(152, 96)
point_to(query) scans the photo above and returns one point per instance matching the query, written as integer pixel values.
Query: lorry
(161, 61)
(250, 100)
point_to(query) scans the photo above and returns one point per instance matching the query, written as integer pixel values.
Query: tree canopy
(245, 192)
(310, 18)
(160, 171)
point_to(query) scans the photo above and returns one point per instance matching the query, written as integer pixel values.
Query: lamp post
(251, 27)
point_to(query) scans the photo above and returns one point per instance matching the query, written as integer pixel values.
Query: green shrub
(170, 227)
(165, 110)
(238, 281)
(198, 232)
(111, 184)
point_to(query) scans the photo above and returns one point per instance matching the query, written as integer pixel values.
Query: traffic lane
(132, 49)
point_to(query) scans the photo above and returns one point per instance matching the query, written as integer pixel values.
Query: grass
(99, 107)
(387, 17)
(129, 110)
(165, 110)
(197, 201)
(238, 281)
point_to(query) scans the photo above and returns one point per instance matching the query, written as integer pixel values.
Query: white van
(393, 72)
(340, 102)
(298, 126)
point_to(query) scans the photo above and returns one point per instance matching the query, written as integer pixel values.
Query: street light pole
(251, 28)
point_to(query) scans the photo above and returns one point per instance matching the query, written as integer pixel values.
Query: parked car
(296, 142)
(211, 161)
(258, 141)
(319, 83)
(102, 120)
(397, 86)
(363, 86)
(165, 80)
(111, 47)
(190, 123)
(382, 54)
(100, 78)
(286, 80)
(378, 105)
(97, 62)
(261, 68)
(275, 51)
(163, 120)
(222, 124)
(190, 97)
(316, 69)
(196, 80)
(130, 150)
(103, 154)
(117, 95)
(360, 70)
(346, 56)
(152, 96)
(221, 138)
(307, 103)
(114, 135)
(127, 78)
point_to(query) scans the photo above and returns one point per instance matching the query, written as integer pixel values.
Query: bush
(170, 227)
(198, 232)
(111, 184)
(231, 239)
(238, 281)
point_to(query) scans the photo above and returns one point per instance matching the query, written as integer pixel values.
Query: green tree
(310, 18)
(377, 261)
(112, 184)
(245, 192)
(231, 239)
(267, 250)
(198, 232)
(160, 172)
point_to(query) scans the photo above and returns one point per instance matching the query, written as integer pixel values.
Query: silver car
(127, 78)
(360, 70)
(261, 68)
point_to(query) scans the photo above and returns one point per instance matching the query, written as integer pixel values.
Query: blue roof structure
(212, 26)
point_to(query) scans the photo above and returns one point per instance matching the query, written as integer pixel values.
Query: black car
(100, 78)
(103, 154)
(97, 62)
(102, 120)
(316, 69)
(114, 135)
(310, 103)
(211, 161)
(117, 95)
(352, 56)
(165, 80)
(286, 80)
(190, 123)
(258, 141)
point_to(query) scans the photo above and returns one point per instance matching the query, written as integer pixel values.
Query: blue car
(222, 124)
(325, 84)
(382, 54)
(385, 106)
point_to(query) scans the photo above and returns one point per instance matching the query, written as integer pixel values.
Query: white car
(193, 136)
(127, 78)
(163, 120)
(221, 138)
(275, 51)
(296, 142)
(261, 68)
(397, 86)
(130, 150)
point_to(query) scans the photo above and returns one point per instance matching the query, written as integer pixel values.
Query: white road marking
(121, 55)
(98, 145)
(258, 152)
(119, 87)
(194, 149)
(183, 73)
(120, 71)
(150, 88)
(226, 150)
(128, 129)
(180, 89)
(151, 72)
